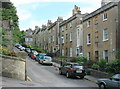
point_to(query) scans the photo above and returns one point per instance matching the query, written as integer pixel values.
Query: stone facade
(94, 35)
(28, 37)
(100, 33)
(13, 67)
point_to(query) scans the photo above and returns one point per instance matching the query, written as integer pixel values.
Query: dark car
(72, 70)
(109, 83)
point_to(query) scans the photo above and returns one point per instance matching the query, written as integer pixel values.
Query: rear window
(48, 58)
(78, 66)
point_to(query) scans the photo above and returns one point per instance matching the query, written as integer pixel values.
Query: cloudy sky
(38, 12)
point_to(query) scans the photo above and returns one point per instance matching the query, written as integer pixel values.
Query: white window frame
(70, 36)
(53, 38)
(88, 55)
(62, 52)
(105, 16)
(88, 39)
(104, 55)
(62, 29)
(70, 24)
(62, 38)
(105, 35)
(88, 23)
(70, 52)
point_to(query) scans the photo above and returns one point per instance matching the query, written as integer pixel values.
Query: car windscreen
(78, 66)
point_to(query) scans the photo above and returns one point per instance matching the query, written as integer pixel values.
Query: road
(49, 76)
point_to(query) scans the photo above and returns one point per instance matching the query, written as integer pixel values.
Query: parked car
(33, 54)
(45, 60)
(72, 70)
(17, 45)
(110, 83)
(27, 50)
(39, 56)
(22, 48)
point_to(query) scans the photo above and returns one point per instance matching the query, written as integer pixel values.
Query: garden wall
(99, 74)
(13, 67)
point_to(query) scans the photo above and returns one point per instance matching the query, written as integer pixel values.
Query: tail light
(84, 71)
(44, 60)
(71, 69)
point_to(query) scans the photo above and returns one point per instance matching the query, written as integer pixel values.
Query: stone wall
(99, 74)
(13, 67)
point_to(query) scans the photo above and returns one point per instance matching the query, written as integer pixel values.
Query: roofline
(52, 25)
(68, 20)
(99, 10)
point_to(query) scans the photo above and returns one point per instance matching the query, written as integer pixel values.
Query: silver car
(46, 60)
(109, 83)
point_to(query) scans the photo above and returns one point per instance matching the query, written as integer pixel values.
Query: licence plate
(79, 71)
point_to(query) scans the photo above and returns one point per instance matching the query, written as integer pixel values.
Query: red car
(33, 54)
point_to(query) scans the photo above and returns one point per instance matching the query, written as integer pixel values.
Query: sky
(33, 13)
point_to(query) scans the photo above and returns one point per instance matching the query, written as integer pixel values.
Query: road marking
(29, 79)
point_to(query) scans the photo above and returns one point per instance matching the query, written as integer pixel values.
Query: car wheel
(67, 75)
(81, 77)
(42, 63)
(102, 86)
(60, 72)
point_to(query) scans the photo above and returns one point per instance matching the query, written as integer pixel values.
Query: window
(70, 52)
(53, 39)
(105, 16)
(70, 36)
(88, 24)
(49, 40)
(105, 34)
(62, 28)
(105, 55)
(62, 52)
(88, 55)
(88, 39)
(62, 39)
(77, 51)
(70, 24)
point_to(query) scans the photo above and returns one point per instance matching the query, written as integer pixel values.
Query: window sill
(88, 43)
(104, 20)
(105, 40)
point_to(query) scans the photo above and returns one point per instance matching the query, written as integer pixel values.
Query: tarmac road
(49, 76)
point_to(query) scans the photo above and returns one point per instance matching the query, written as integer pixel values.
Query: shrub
(73, 59)
(82, 60)
(7, 52)
(113, 66)
(102, 64)
(95, 66)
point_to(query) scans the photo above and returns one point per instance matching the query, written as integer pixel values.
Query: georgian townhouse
(35, 36)
(53, 37)
(68, 34)
(101, 32)
(28, 37)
